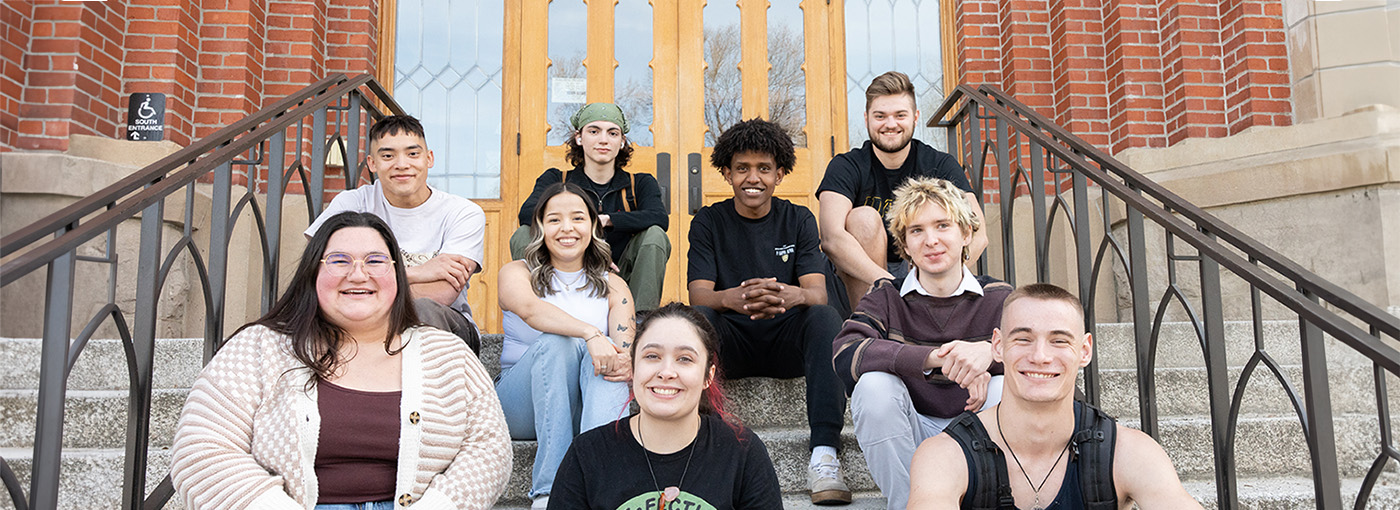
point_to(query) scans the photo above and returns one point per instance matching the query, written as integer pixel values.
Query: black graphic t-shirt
(605, 469)
(727, 248)
(861, 177)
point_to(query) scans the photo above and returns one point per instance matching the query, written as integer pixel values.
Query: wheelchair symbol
(145, 111)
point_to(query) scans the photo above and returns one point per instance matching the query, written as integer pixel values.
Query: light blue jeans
(375, 505)
(551, 395)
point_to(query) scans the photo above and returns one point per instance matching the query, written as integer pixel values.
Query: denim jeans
(376, 505)
(551, 395)
(889, 429)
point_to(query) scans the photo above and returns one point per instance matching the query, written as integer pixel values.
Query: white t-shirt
(445, 223)
(568, 297)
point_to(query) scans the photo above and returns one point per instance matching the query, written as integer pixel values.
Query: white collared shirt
(968, 284)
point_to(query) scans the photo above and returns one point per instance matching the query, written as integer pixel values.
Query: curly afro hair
(755, 135)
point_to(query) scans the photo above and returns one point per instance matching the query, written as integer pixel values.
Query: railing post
(53, 382)
(1006, 193)
(977, 169)
(1142, 321)
(1084, 267)
(138, 418)
(1218, 382)
(352, 145)
(1038, 198)
(1322, 436)
(276, 201)
(218, 257)
(317, 186)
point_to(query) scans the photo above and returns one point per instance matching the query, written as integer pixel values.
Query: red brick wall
(68, 68)
(1132, 73)
(16, 23)
(72, 73)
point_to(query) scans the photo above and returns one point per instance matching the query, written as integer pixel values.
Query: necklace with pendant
(672, 492)
(1034, 487)
(570, 285)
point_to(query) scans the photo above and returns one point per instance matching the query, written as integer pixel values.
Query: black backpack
(1092, 444)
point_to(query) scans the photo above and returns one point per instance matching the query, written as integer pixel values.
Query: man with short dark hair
(859, 185)
(1020, 449)
(440, 234)
(756, 273)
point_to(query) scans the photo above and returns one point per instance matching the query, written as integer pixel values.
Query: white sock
(819, 451)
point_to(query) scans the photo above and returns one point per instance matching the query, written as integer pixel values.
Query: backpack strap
(629, 203)
(986, 465)
(1093, 443)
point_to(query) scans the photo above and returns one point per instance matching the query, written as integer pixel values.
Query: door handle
(693, 172)
(663, 178)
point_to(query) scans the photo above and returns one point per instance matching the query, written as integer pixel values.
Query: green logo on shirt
(647, 501)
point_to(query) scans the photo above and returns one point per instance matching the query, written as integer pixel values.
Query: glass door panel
(904, 36)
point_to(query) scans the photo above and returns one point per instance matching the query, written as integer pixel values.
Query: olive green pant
(642, 265)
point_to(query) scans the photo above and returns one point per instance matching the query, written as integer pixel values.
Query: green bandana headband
(593, 112)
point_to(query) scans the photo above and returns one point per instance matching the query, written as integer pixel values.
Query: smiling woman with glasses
(339, 398)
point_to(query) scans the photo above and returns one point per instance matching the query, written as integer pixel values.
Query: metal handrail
(1025, 147)
(258, 141)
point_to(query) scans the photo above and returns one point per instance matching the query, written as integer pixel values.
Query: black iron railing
(1007, 141)
(336, 111)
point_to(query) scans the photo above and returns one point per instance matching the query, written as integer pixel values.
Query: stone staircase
(1271, 453)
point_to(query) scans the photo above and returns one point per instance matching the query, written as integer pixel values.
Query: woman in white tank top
(568, 327)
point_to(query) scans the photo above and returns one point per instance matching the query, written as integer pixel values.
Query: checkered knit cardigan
(248, 433)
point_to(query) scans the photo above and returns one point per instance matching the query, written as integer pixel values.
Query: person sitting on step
(681, 440)
(755, 271)
(442, 235)
(915, 353)
(339, 398)
(1066, 454)
(568, 324)
(630, 208)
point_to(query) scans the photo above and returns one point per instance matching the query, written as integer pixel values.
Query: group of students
(357, 390)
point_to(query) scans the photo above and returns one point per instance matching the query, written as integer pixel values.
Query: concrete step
(1178, 345)
(102, 364)
(92, 418)
(89, 479)
(1182, 391)
(1297, 493)
(1265, 446)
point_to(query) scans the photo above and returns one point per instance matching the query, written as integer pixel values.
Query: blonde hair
(920, 191)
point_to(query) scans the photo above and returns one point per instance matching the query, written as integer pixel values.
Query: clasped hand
(965, 363)
(763, 298)
(609, 360)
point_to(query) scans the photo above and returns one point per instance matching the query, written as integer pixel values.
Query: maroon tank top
(357, 458)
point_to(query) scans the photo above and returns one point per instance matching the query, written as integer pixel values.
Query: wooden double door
(682, 71)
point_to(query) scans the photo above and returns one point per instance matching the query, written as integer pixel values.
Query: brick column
(162, 42)
(1256, 65)
(73, 78)
(16, 23)
(1132, 44)
(1195, 81)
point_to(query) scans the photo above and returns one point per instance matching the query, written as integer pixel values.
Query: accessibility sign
(145, 117)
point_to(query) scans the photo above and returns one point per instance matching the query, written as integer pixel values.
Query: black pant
(794, 344)
(445, 318)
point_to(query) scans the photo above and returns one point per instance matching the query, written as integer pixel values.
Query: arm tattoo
(624, 301)
(621, 328)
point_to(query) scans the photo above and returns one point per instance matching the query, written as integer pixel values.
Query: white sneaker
(825, 481)
(540, 503)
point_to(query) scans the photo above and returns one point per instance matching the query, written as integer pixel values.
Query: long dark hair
(597, 259)
(712, 399)
(316, 341)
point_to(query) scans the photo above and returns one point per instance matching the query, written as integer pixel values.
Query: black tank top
(1069, 497)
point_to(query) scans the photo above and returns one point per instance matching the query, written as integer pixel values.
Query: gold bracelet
(595, 335)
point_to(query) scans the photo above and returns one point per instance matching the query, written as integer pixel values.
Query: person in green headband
(633, 216)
